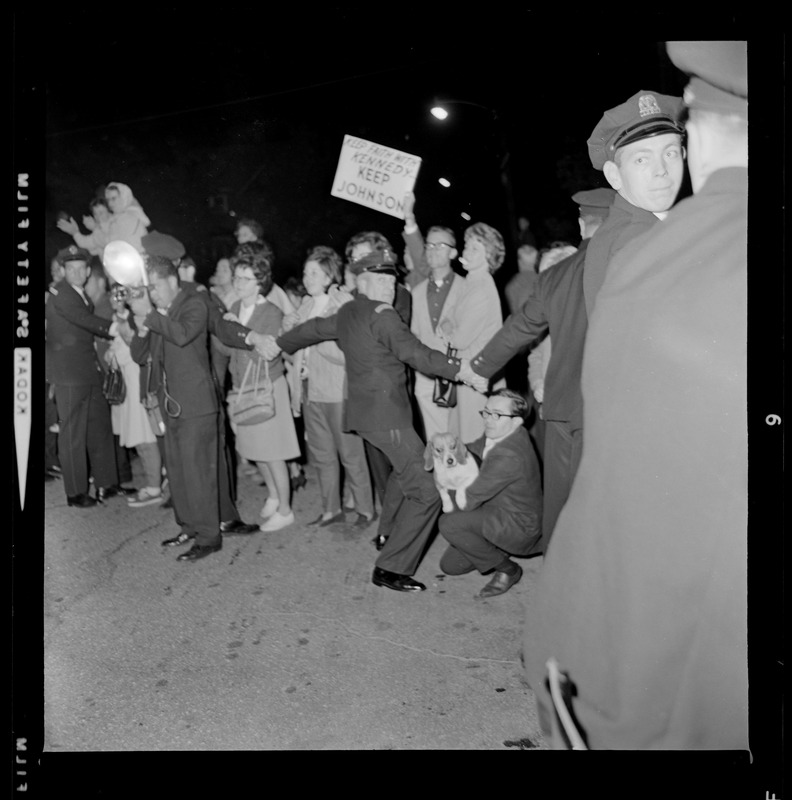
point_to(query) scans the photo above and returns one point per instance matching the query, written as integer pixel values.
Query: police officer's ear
(612, 174)
(452, 253)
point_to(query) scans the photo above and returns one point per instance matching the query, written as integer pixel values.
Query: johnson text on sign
(374, 175)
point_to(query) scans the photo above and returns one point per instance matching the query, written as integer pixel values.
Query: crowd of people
(641, 595)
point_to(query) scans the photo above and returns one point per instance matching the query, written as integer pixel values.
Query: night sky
(253, 107)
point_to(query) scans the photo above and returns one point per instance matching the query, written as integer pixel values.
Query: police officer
(638, 147)
(73, 370)
(378, 346)
(556, 307)
(643, 601)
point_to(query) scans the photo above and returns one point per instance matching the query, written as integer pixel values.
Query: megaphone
(124, 264)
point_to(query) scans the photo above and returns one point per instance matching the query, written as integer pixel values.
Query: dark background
(212, 117)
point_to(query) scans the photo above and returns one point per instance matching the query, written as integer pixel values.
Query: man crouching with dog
(503, 512)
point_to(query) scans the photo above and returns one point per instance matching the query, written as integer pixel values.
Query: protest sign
(374, 175)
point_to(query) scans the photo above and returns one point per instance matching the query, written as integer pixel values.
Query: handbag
(254, 405)
(445, 391)
(113, 386)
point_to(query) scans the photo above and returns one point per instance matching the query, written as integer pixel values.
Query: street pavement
(278, 642)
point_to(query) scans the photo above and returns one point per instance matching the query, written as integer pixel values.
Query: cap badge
(647, 105)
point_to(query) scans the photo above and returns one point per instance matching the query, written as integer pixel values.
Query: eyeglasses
(435, 245)
(486, 414)
(238, 278)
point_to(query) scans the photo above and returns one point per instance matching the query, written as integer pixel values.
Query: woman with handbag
(256, 384)
(318, 388)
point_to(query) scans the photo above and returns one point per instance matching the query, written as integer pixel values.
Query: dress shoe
(379, 541)
(106, 492)
(501, 582)
(392, 580)
(178, 541)
(362, 522)
(81, 500)
(199, 551)
(236, 526)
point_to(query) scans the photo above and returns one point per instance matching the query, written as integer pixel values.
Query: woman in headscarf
(129, 222)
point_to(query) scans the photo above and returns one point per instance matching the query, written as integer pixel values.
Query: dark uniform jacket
(177, 343)
(71, 326)
(642, 598)
(555, 306)
(377, 344)
(510, 487)
(624, 222)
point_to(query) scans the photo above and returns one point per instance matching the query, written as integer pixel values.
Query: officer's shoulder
(384, 307)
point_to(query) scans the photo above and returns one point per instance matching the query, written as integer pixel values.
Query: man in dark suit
(231, 334)
(378, 346)
(175, 335)
(503, 514)
(85, 428)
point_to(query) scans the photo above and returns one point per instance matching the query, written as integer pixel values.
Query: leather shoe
(379, 541)
(362, 522)
(200, 551)
(236, 526)
(81, 500)
(179, 540)
(501, 582)
(392, 580)
(106, 492)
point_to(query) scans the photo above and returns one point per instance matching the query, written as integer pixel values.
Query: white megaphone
(125, 265)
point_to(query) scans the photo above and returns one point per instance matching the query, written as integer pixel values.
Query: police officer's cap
(380, 261)
(163, 244)
(719, 75)
(72, 253)
(644, 115)
(594, 202)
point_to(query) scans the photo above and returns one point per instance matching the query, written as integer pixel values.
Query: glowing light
(465, 215)
(444, 182)
(439, 112)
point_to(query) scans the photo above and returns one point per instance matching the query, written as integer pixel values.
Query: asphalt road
(278, 642)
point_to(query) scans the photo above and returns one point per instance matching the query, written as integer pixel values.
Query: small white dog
(454, 468)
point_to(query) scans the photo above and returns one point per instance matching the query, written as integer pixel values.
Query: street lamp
(440, 112)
